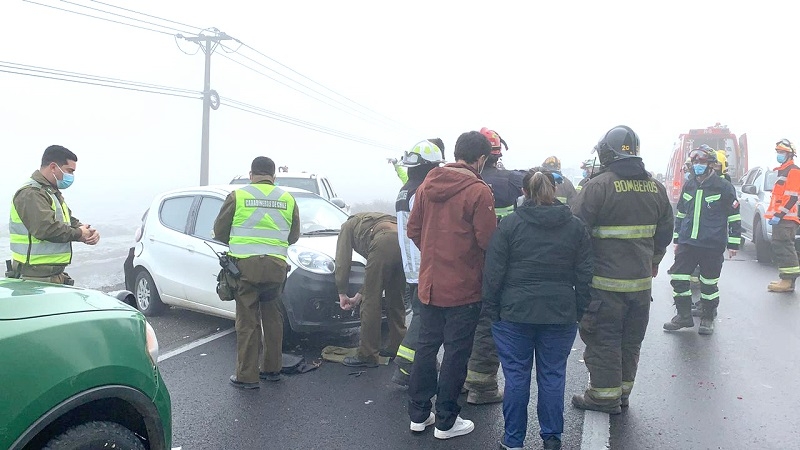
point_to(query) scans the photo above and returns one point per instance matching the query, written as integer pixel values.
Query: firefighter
(591, 167)
(565, 190)
(420, 160)
(782, 215)
(402, 171)
(506, 184)
(629, 217)
(483, 364)
(722, 165)
(707, 222)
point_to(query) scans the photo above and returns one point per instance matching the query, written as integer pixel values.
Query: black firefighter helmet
(620, 142)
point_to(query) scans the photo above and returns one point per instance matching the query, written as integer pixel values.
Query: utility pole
(208, 43)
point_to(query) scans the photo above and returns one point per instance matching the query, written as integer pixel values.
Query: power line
(322, 85)
(147, 15)
(354, 114)
(123, 16)
(101, 18)
(17, 66)
(301, 84)
(99, 81)
(235, 104)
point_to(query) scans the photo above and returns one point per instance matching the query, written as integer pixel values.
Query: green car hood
(20, 299)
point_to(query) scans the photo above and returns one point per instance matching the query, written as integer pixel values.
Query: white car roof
(223, 189)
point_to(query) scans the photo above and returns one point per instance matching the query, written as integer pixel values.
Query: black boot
(707, 319)
(684, 317)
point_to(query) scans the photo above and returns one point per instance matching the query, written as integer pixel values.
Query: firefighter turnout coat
(708, 214)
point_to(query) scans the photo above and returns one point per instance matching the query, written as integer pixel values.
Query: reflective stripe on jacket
(26, 248)
(630, 221)
(783, 203)
(261, 222)
(708, 215)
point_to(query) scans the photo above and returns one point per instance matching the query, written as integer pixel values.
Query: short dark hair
(470, 146)
(57, 154)
(263, 166)
(438, 143)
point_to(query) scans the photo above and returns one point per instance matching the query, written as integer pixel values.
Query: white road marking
(596, 431)
(195, 344)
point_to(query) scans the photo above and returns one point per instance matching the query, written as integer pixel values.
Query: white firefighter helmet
(423, 152)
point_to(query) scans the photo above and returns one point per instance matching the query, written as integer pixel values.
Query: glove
(392, 160)
(774, 220)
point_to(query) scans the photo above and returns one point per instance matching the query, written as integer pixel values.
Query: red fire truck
(718, 137)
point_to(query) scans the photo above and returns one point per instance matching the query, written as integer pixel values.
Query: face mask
(66, 180)
(782, 157)
(585, 174)
(699, 169)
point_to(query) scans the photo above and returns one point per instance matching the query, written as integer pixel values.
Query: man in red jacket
(451, 223)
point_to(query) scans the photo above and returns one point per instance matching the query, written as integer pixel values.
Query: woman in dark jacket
(535, 289)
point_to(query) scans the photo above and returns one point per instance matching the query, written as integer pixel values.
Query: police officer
(565, 190)
(483, 364)
(782, 215)
(421, 159)
(629, 218)
(258, 222)
(374, 236)
(706, 223)
(42, 227)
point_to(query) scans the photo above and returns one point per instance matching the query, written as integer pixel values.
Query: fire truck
(718, 137)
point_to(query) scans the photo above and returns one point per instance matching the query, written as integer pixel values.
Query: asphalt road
(732, 390)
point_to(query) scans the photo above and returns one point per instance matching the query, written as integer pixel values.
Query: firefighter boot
(485, 397)
(785, 285)
(697, 309)
(587, 402)
(684, 317)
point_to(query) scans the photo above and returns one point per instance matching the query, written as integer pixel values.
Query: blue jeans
(517, 344)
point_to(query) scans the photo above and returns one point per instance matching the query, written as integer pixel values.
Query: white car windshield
(317, 215)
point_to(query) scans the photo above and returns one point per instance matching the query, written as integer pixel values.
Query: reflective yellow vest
(261, 222)
(26, 249)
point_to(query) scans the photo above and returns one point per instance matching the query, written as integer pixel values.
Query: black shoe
(270, 376)
(353, 361)
(387, 354)
(679, 322)
(552, 443)
(242, 385)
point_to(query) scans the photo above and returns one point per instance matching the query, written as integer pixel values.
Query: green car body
(69, 356)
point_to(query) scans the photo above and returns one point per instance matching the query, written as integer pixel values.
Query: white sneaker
(460, 428)
(421, 426)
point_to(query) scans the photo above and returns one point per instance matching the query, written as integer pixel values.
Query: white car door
(204, 266)
(165, 243)
(749, 202)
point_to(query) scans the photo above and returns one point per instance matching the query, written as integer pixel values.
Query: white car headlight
(311, 260)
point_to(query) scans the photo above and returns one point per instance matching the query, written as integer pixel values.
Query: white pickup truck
(311, 182)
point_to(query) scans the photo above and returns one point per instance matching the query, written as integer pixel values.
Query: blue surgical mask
(699, 169)
(585, 174)
(66, 180)
(782, 157)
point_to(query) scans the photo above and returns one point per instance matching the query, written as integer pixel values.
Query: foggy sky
(550, 78)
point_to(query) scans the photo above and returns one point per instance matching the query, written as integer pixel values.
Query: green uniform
(374, 236)
(42, 230)
(258, 222)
